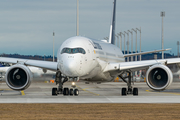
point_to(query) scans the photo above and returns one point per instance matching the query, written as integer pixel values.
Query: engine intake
(18, 77)
(159, 77)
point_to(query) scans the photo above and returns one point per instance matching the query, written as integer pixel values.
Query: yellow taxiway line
(85, 89)
(22, 92)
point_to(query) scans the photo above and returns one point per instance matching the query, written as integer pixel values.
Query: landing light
(73, 83)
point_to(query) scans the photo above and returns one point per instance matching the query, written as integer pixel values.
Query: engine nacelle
(18, 77)
(159, 77)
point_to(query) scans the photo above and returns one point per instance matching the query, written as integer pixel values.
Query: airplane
(82, 58)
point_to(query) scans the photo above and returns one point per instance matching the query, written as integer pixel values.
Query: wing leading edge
(36, 63)
(138, 65)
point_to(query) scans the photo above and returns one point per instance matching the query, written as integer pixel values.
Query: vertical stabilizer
(112, 27)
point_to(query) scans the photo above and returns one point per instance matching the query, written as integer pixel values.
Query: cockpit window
(73, 50)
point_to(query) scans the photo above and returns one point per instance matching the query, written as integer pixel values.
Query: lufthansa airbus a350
(91, 60)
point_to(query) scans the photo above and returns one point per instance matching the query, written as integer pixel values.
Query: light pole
(127, 44)
(131, 44)
(178, 49)
(44, 57)
(140, 41)
(53, 45)
(120, 35)
(162, 15)
(117, 40)
(136, 42)
(124, 41)
(136, 48)
(77, 17)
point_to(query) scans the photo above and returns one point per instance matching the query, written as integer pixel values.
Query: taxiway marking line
(5, 89)
(22, 93)
(164, 92)
(88, 91)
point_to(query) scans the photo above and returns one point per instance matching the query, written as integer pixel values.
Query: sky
(26, 26)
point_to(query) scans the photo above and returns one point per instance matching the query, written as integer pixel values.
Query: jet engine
(18, 77)
(159, 77)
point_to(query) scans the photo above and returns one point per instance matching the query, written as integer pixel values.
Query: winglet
(112, 27)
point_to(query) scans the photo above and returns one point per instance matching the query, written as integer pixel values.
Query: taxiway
(40, 92)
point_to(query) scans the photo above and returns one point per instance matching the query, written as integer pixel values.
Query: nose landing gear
(72, 91)
(65, 91)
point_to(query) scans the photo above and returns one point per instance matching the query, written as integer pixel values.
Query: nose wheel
(70, 92)
(76, 92)
(54, 91)
(65, 92)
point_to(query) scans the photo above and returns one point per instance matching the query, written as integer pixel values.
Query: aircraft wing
(138, 65)
(36, 63)
(3, 69)
(142, 53)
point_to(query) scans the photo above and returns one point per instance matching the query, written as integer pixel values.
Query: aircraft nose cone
(70, 68)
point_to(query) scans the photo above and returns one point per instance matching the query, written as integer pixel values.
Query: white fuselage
(86, 58)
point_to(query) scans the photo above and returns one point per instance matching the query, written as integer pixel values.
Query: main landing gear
(65, 91)
(130, 89)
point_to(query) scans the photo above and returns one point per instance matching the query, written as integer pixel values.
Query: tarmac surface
(40, 92)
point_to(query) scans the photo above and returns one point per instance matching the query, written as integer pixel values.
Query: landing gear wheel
(76, 92)
(54, 91)
(135, 91)
(60, 91)
(124, 92)
(71, 92)
(66, 91)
